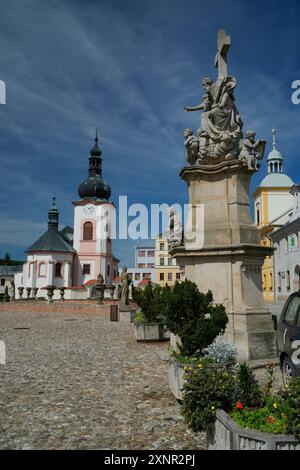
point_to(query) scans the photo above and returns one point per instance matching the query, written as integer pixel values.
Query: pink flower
(271, 419)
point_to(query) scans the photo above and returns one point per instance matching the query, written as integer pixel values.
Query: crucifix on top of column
(224, 43)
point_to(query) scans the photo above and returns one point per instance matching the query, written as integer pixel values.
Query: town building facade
(167, 270)
(287, 252)
(272, 208)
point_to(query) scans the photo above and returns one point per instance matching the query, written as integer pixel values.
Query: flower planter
(149, 331)
(176, 378)
(228, 435)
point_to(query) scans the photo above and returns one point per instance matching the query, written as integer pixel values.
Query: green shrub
(192, 316)
(206, 389)
(247, 388)
(292, 398)
(139, 317)
(150, 300)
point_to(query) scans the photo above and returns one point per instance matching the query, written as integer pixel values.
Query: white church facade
(73, 258)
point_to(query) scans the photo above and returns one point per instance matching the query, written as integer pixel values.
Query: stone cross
(224, 43)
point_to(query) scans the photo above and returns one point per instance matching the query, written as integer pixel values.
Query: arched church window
(88, 231)
(58, 270)
(42, 269)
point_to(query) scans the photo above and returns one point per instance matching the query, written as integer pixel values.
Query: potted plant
(193, 318)
(237, 413)
(148, 322)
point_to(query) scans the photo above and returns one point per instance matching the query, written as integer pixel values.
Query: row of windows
(42, 270)
(137, 276)
(86, 270)
(169, 277)
(163, 263)
(144, 265)
(144, 253)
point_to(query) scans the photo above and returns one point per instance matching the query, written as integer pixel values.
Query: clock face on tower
(90, 210)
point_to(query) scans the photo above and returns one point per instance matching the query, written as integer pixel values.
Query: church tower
(273, 204)
(93, 219)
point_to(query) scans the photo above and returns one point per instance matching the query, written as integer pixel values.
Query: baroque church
(74, 257)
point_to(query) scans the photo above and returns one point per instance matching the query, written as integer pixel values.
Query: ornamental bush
(206, 389)
(247, 390)
(221, 352)
(192, 316)
(292, 398)
(150, 300)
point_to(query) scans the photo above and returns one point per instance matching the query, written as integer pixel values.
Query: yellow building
(167, 271)
(273, 204)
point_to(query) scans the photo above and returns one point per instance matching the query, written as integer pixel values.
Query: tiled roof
(52, 240)
(10, 270)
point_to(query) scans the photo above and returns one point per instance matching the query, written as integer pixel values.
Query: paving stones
(85, 385)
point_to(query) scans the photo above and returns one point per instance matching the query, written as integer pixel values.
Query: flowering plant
(208, 388)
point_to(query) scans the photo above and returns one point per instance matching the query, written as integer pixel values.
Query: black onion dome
(96, 151)
(94, 186)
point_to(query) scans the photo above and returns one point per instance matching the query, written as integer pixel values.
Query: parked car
(288, 337)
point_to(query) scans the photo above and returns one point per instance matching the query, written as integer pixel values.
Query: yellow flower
(213, 408)
(286, 386)
(275, 405)
(200, 366)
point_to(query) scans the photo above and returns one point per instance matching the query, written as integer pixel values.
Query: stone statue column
(67, 274)
(225, 255)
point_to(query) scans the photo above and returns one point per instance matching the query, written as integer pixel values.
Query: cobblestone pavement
(82, 382)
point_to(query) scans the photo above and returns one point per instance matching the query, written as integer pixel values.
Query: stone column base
(126, 316)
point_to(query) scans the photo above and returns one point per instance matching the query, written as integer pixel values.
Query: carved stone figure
(6, 294)
(126, 281)
(12, 290)
(192, 146)
(251, 151)
(98, 288)
(221, 125)
(175, 229)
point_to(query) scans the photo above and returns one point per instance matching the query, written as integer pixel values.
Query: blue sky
(129, 67)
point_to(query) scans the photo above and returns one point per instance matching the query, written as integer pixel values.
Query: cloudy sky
(129, 67)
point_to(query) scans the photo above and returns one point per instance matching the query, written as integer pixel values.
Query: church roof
(51, 241)
(276, 180)
(94, 186)
(10, 270)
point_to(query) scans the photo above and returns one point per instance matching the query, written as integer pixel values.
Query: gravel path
(82, 382)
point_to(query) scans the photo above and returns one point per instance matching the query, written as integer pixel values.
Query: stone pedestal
(126, 315)
(228, 257)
